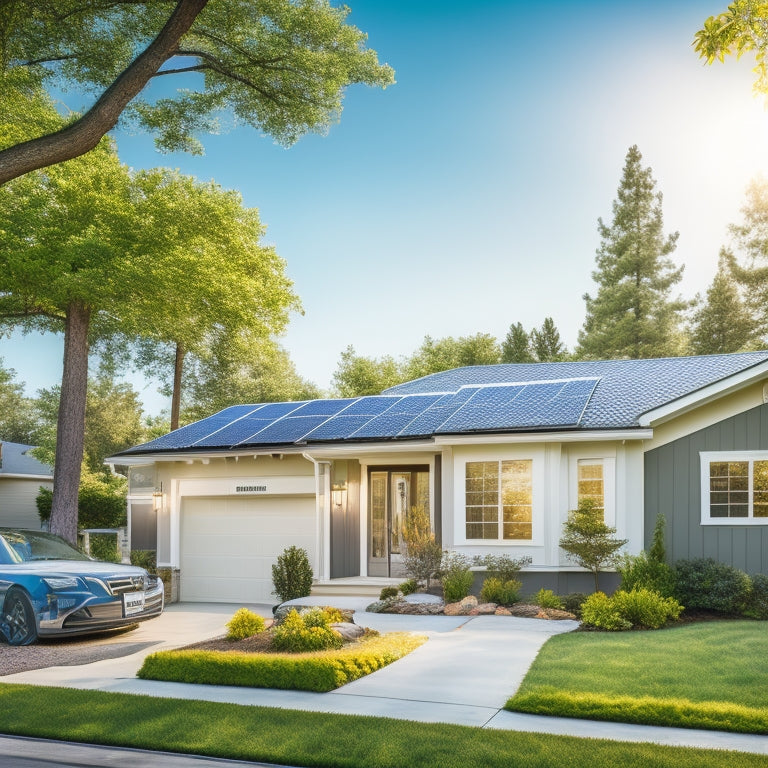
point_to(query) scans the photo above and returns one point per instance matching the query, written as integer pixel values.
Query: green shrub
(388, 592)
(546, 598)
(145, 558)
(292, 574)
(641, 571)
(599, 611)
(573, 601)
(645, 608)
(243, 624)
(456, 576)
(757, 605)
(319, 672)
(710, 585)
(501, 592)
(104, 547)
(310, 632)
(423, 554)
(409, 587)
(502, 567)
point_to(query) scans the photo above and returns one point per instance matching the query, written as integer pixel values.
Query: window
(734, 488)
(499, 499)
(590, 482)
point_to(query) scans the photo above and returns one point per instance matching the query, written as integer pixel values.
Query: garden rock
(483, 609)
(348, 630)
(502, 611)
(468, 603)
(423, 597)
(413, 609)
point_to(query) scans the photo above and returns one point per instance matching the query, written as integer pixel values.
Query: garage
(229, 544)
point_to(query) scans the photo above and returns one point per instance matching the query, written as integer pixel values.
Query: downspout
(323, 559)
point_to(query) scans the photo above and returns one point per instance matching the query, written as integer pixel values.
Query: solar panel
(238, 430)
(428, 421)
(338, 428)
(396, 417)
(288, 430)
(323, 407)
(371, 405)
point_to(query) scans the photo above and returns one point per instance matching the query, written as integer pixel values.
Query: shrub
(409, 587)
(644, 572)
(599, 611)
(243, 624)
(456, 576)
(757, 605)
(573, 601)
(388, 592)
(104, 547)
(502, 567)
(145, 558)
(707, 584)
(292, 574)
(645, 608)
(546, 598)
(423, 554)
(502, 592)
(299, 634)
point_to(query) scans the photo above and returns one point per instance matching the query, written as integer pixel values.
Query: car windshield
(27, 546)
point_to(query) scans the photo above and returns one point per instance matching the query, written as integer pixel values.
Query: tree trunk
(84, 134)
(176, 396)
(70, 429)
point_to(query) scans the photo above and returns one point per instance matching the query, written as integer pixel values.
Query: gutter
(322, 540)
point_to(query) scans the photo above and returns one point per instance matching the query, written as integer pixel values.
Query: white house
(21, 477)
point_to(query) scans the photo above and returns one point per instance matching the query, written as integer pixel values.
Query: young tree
(356, 375)
(280, 67)
(588, 541)
(632, 314)
(516, 347)
(723, 323)
(546, 343)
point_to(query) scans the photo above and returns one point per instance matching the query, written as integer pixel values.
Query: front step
(370, 587)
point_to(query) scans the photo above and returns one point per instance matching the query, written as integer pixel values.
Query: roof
(16, 460)
(508, 398)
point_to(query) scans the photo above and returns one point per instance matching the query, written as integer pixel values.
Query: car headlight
(62, 582)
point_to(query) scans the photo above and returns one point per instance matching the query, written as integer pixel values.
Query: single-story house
(497, 454)
(21, 477)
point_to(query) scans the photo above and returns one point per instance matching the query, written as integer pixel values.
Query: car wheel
(19, 618)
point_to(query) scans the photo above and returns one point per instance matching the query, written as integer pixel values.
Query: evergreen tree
(516, 347)
(723, 323)
(632, 314)
(546, 343)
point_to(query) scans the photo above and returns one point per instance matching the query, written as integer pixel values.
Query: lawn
(312, 739)
(706, 675)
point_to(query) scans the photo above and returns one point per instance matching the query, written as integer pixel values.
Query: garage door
(228, 545)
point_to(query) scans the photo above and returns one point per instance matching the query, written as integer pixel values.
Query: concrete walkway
(463, 675)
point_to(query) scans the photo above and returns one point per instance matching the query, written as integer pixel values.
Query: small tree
(422, 553)
(292, 574)
(588, 541)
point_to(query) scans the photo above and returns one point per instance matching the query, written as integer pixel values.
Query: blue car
(49, 588)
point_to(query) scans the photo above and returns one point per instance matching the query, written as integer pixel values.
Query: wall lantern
(157, 499)
(338, 491)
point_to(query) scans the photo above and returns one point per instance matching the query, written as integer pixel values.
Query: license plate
(133, 602)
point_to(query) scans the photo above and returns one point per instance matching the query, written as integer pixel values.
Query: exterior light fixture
(338, 491)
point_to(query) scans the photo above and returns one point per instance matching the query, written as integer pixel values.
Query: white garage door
(228, 545)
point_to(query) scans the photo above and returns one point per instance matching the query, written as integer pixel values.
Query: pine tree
(546, 343)
(632, 314)
(723, 323)
(516, 347)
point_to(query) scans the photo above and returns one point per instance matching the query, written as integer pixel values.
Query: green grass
(312, 739)
(710, 675)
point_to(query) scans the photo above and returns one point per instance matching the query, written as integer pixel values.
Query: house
(21, 477)
(497, 454)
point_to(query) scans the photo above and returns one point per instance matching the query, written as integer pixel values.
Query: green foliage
(435, 355)
(658, 553)
(244, 623)
(757, 605)
(502, 567)
(516, 347)
(456, 575)
(104, 547)
(356, 375)
(643, 571)
(292, 574)
(388, 592)
(18, 419)
(145, 558)
(641, 608)
(632, 314)
(573, 601)
(588, 541)
(409, 587)
(321, 671)
(546, 598)
(711, 585)
(301, 633)
(547, 345)
(501, 592)
(598, 610)
(422, 555)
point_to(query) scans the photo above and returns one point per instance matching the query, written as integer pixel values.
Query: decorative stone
(348, 630)
(423, 597)
(452, 609)
(502, 611)
(483, 609)
(468, 603)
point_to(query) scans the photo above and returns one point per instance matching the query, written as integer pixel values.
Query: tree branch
(86, 132)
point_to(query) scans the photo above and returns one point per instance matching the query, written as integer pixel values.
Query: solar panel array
(474, 408)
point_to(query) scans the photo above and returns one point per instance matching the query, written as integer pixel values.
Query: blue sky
(466, 197)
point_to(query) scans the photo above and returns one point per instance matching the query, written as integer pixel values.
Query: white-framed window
(593, 477)
(590, 482)
(734, 488)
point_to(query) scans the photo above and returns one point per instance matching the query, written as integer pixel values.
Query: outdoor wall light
(338, 491)
(157, 498)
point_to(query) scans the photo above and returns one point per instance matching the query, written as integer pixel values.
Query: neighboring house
(497, 454)
(21, 476)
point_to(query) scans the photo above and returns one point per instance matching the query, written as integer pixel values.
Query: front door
(391, 495)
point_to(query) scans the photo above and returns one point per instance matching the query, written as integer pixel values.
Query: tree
(356, 375)
(738, 30)
(588, 541)
(723, 323)
(423, 555)
(280, 66)
(443, 354)
(18, 419)
(546, 343)
(516, 347)
(632, 315)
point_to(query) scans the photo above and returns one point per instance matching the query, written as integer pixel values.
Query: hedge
(320, 672)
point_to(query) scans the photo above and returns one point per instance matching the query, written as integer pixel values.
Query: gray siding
(673, 487)
(345, 522)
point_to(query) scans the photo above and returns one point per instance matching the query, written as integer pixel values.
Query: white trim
(709, 456)
(608, 463)
(577, 436)
(282, 485)
(12, 476)
(704, 395)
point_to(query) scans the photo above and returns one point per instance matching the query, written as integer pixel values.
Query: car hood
(76, 567)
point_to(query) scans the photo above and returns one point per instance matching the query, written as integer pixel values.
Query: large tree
(547, 344)
(633, 314)
(435, 355)
(280, 66)
(18, 417)
(356, 375)
(516, 347)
